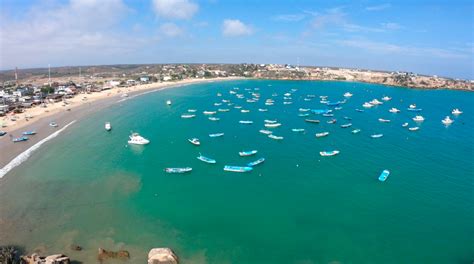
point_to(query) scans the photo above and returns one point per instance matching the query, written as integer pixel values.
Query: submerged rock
(76, 247)
(162, 256)
(105, 254)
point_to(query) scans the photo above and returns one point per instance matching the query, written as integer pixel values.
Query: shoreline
(78, 109)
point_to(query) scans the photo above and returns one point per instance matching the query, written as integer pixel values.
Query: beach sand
(39, 117)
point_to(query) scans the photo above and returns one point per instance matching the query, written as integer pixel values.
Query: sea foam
(27, 153)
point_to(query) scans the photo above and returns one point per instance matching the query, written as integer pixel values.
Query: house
(55, 97)
(144, 79)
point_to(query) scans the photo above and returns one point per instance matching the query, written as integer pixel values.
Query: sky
(426, 37)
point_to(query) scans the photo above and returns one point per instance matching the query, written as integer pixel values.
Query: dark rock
(105, 254)
(76, 247)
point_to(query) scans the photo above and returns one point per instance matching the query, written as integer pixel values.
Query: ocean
(88, 187)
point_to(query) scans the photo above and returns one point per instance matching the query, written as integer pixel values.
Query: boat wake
(27, 153)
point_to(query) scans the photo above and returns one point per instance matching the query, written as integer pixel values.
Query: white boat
(136, 139)
(413, 128)
(108, 126)
(367, 105)
(194, 141)
(297, 129)
(346, 125)
(355, 131)
(244, 111)
(262, 110)
(394, 110)
(275, 137)
(192, 110)
(386, 98)
(412, 106)
(217, 104)
(216, 135)
(303, 109)
(209, 112)
(168, 102)
(272, 125)
(178, 170)
(347, 95)
(237, 168)
(187, 116)
(418, 118)
(219, 94)
(376, 135)
(447, 120)
(246, 122)
(212, 118)
(247, 153)
(322, 134)
(287, 103)
(404, 124)
(237, 107)
(456, 111)
(266, 132)
(223, 110)
(206, 159)
(270, 121)
(384, 120)
(329, 153)
(384, 175)
(375, 102)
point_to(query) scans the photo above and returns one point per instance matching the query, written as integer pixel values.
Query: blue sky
(428, 37)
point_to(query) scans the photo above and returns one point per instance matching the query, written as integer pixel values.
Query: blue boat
(29, 133)
(255, 163)
(216, 135)
(247, 153)
(20, 139)
(384, 175)
(321, 111)
(333, 103)
(206, 159)
(237, 168)
(178, 170)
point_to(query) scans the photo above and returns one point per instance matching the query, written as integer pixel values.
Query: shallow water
(88, 187)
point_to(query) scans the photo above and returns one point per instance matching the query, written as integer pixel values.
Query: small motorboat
(375, 102)
(347, 95)
(255, 163)
(244, 111)
(456, 111)
(192, 110)
(108, 126)
(266, 132)
(272, 125)
(346, 125)
(136, 139)
(394, 110)
(414, 109)
(322, 134)
(29, 133)
(367, 105)
(355, 131)
(412, 106)
(386, 98)
(53, 124)
(178, 170)
(384, 175)
(332, 121)
(185, 116)
(303, 109)
(20, 139)
(347, 118)
(287, 103)
(270, 121)
(246, 122)
(237, 168)
(447, 120)
(384, 120)
(206, 159)
(223, 109)
(321, 111)
(168, 102)
(314, 121)
(328, 115)
(303, 114)
(359, 110)
(376, 135)
(247, 153)
(404, 124)
(217, 104)
(275, 137)
(297, 129)
(262, 110)
(216, 135)
(418, 118)
(413, 128)
(212, 118)
(194, 141)
(329, 153)
(209, 112)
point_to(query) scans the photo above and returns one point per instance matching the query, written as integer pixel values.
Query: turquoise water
(88, 187)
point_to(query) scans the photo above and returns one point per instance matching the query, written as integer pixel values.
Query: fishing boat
(255, 163)
(206, 159)
(187, 116)
(328, 115)
(337, 108)
(332, 121)
(418, 118)
(237, 168)
(394, 110)
(136, 139)
(108, 126)
(314, 121)
(404, 124)
(367, 105)
(347, 118)
(447, 121)
(192, 110)
(262, 110)
(375, 102)
(386, 98)
(384, 175)
(376, 135)
(246, 122)
(223, 110)
(53, 124)
(412, 106)
(413, 128)
(266, 132)
(194, 141)
(321, 111)
(329, 153)
(355, 131)
(247, 153)
(346, 125)
(209, 112)
(178, 170)
(214, 118)
(29, 133)
(297, 129)
(217, 104)
(347, 95)
(168, 102)
(456, 111)
(244, 111)
(287, 103)
(303, 114)
(216, 135)
(20, 139)
(270, 121)
(272, 125)
(303, 109)
(268, 103)
(2, 133)
(275, 137)
(307, 99)
(322, 134)
(384, 120)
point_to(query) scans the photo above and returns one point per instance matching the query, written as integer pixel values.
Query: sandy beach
(38, 118)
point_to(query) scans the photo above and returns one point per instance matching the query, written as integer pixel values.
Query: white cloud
(391, 26)
(175, 9)
(171, 30)
(333, 16)
(235, 28)
(378, 7)
(289, 17)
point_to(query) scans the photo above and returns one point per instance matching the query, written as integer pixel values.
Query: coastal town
(21, 90)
